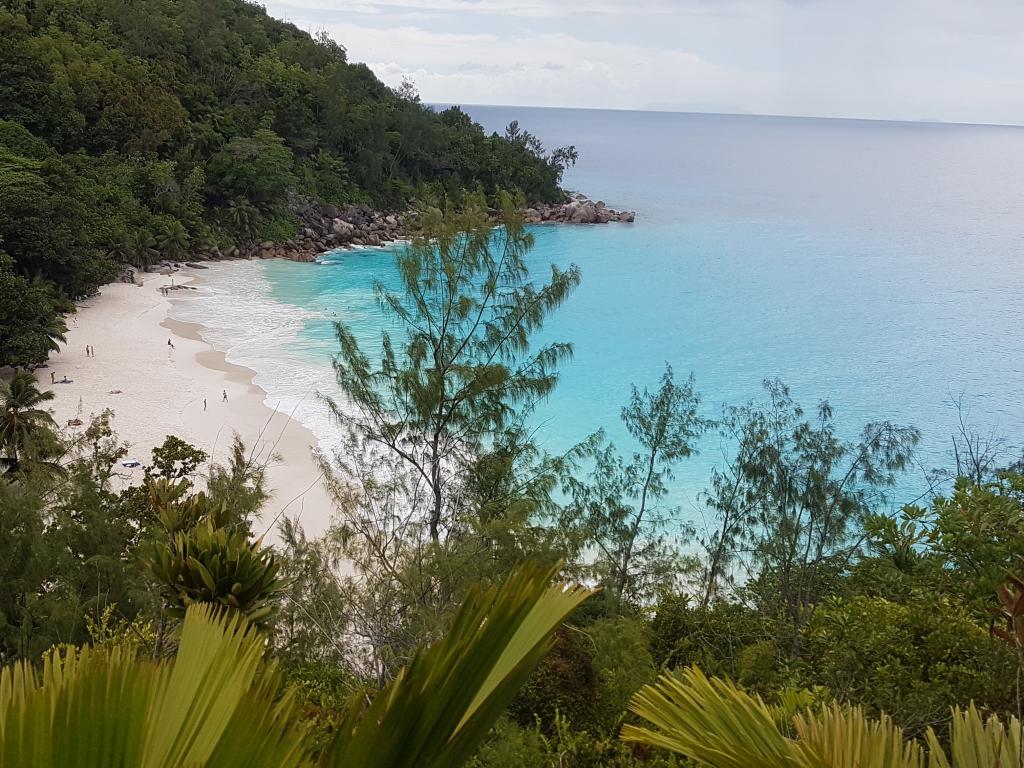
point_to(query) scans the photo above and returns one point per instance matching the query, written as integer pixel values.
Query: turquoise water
(876, 265)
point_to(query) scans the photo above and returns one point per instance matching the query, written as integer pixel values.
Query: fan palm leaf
(717, 724)
(441, 707)
(106, 707)
(714, 722)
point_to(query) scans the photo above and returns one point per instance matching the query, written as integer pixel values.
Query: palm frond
(713, 722)
(106, 707)
(717, 724)
(842, 737)
(977, 742)
(443, 704)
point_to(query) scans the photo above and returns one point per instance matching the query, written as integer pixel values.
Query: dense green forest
(837, 621)
(135, 131)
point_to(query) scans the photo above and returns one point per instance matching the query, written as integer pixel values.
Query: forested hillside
(131, 131)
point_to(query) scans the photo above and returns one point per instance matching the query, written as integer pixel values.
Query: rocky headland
(327, 227)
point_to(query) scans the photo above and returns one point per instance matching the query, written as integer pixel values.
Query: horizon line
(920, 121)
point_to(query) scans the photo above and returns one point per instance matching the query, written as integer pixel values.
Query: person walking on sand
(169, 344)
(204, 403)
(224, 397)
(53, 377)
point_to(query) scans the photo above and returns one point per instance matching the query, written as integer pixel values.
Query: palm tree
(243, 219)
(139, 248)
(173, 243)
(20, 414)
(53, 326)
(717, 724)
(219, 703)
(54, 329)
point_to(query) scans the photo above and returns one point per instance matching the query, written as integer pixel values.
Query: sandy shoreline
(163, 389)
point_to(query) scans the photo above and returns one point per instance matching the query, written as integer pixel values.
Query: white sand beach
(162, 389)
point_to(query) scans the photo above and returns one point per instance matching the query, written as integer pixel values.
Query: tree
(976, 455)
(558, 160)
(257, 168)
(69, 546)
(620, 505)
(407, 90)
(462, 370)
(24, 567)
(796, 497)
(30, 325)
(173, 242)
(175, 459)
(21, 418)
(243, 219)
(370, 590)
(962, 546)
(140, 248)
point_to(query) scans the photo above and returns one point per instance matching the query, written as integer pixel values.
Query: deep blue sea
(877, 265)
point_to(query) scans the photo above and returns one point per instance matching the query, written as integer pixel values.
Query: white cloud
(550, 9)
(910, 59)
(547, 69)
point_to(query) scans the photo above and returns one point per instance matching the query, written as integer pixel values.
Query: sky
(950, 60)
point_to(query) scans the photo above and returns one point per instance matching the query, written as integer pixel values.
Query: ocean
(876, 265)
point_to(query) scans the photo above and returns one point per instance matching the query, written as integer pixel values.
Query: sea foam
(242, 319)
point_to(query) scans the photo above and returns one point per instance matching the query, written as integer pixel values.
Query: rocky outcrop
(579, 209)
(327, 227)
(323, 228)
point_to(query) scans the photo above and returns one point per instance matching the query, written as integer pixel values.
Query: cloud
(549, 9)
(948, 59)
(546, 69)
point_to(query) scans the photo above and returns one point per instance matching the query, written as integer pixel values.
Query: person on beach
(53, 377)
(224, 398)
(204, 403)
(169, 344)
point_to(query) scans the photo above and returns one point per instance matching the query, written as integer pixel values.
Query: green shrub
(278, 228)
(913, 661)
